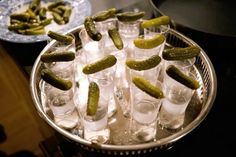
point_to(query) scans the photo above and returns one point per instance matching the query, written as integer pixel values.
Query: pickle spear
(149, 43)
(178, 53)
(99, 65)
(144, 64)
(91, 29)
(60, 37)
(115, 36)
(104, 15)
(156, 22)
(130, 16)
(180, 77)
(147, 87)
(93, 99)
(49, 77)
(57, 57)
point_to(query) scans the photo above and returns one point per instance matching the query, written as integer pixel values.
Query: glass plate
(81, 9)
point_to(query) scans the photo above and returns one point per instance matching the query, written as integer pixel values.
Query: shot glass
(64, 69)
(185, 65)
(92, 50)
(105, 80)
(129, 31)
(96, 127)
(177, 98)
(150, 74)
(145, 110)
(62, 106)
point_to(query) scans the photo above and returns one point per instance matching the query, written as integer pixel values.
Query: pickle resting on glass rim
(156, 22)
(115, 36)
(130, 16)
(147, 87)
(104, 63)
(146, 64)
(57, 57)
(51, 78)
(104, 15)
(149, 43)
(178, 53)
(182, 78)
(60, 37)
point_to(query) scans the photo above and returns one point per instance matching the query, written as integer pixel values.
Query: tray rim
(159, 143)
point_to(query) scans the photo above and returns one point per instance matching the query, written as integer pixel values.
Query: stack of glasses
(120, 68)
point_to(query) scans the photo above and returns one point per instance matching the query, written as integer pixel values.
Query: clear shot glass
(62, 106)
(177, 98)
(145, 110)
(96, 127)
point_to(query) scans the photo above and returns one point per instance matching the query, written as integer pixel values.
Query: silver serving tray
(197, 110)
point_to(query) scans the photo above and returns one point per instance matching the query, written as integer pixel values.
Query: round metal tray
(197, 110)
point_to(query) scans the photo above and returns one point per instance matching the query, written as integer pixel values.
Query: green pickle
(115, 36)
(93, 99)
(57, 57)
(99, 65)
(156, 22)
(149, 43)
(104, 15)
(146, 64)
(130, 16)
(60, 37)
(178, 53)
(91, 29)
(50, 77)
(182, 78)
(147, 87)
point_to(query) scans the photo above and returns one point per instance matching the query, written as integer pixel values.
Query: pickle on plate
(104, 63)
(67, 14)
(57, 57)
(42, 13)
(104, 15)
(34, 4)
(60, 37)
(51, 78)
(156, 22)
(182, 78)
(93, 99)
(55, 4)
(130, 16)
(91, 29)
(146, 64)
(115, 36)
(147, 87)
(149, 43)
(179, 53)
(58, 18)
(20, 16)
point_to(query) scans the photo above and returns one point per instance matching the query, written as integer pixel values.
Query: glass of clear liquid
(177, 98)
(145, 110)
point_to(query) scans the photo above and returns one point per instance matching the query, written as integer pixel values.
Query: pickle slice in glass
(93, 99)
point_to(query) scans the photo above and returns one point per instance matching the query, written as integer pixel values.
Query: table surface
(215, 134)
